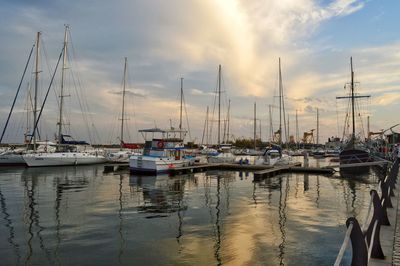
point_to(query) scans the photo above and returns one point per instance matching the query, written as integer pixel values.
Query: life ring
(160, 144)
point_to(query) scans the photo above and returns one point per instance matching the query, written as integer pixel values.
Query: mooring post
(377, 216)
(360, 251)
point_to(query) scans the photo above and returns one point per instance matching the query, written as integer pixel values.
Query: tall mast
(288, 132)
(229, 114)
(62, 85)
(207, 133)
(180, 113)
(352, 101)
(297, 128)
(219, 105)
(317, 126)
(271, 129)
(255, 124)
(123, 104)
(36, 88)
(280, 103)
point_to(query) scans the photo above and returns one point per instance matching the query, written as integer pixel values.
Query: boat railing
(365, 240)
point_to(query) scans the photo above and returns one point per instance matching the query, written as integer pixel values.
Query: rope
(344, 245)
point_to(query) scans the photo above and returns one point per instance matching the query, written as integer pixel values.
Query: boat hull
(11, 159)
(154, 165)
(354, 156)
(61, 159)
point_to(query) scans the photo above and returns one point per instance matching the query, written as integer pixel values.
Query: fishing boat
(68, 152)
(354, 151)
(164, 151)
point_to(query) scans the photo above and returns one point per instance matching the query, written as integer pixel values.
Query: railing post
(386, 194)
(360, 251)
(378, 216)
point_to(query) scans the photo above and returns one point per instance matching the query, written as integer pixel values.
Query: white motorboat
(160, 154)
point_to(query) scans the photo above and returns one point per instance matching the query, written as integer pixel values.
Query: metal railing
(365, 240)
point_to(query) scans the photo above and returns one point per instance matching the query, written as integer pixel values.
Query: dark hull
(354, 156)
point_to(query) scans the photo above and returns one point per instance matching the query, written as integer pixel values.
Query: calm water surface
(82, 216)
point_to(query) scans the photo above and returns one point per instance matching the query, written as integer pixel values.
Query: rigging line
(213, 111)
(16, 95)
(187, 117)
(83, 103)
(47, 93)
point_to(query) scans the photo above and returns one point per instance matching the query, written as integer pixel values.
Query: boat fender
(160, 144)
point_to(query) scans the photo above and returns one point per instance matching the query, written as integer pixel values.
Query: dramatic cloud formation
(167, 40)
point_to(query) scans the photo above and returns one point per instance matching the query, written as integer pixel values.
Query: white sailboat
(224, 154)
(71, 154)
(124, 153)
(274, 155)
(12, 156)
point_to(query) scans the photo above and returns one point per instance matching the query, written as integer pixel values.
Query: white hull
(11, 159)
(59, 159)
(152, 164)
(222, 158)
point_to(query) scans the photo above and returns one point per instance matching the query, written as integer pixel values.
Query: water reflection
(162, 195)
(9, 224)
(80, 215)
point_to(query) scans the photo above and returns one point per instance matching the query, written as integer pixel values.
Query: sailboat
(273, 155)
(353, 152)
(12, 156)
(68, 153)
(126, 149)
(224, 154)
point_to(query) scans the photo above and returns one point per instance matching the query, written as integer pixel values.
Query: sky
(165, 41)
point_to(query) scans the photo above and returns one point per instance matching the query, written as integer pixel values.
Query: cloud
(132, 92)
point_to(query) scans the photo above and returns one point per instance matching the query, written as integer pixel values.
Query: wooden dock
(260, 171)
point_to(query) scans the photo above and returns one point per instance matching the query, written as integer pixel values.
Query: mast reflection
(10, 227)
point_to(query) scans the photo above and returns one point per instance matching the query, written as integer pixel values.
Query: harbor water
(82, 216)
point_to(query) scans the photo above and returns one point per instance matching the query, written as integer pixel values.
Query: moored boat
(161, 153)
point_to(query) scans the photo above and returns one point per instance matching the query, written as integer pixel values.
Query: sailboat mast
(62, 85)
(123, 104)
(271, 129)
(219, 105)
(207, 132)
(280, 103)
(36, 88)
(297, 128)
(255, 125)
(229, 114)
(317, 126)
(352, 99)
(180, 112)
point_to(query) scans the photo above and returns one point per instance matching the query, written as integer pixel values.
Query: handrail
(368, 214)
(344, 245)
(366, 242)
(372, 239)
